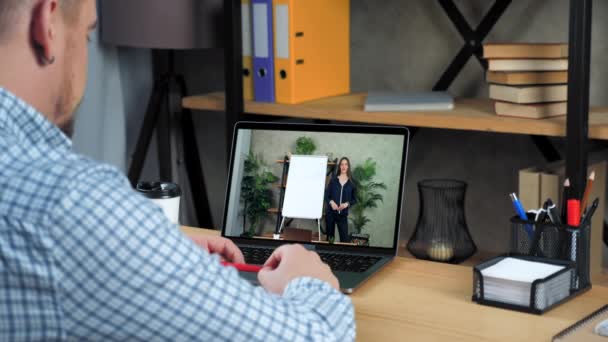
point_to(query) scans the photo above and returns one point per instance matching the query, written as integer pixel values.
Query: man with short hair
(84, 257)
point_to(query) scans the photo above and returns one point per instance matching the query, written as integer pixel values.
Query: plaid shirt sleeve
(127, 273)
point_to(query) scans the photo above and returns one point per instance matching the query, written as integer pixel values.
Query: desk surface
(423, 301)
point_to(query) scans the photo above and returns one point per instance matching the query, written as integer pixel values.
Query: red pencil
(587, 192)
(243, 267)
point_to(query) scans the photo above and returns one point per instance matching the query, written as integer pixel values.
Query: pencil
(565, 199)
(243, 267)
(587, 192)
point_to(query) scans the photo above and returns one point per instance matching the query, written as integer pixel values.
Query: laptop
(283, 176)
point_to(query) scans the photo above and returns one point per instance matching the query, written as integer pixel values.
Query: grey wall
(406, 45)
(99, 130)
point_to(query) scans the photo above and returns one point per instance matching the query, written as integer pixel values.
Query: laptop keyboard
(256, 256)
(337, 262)
(348, 263)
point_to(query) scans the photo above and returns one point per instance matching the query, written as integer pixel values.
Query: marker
(590, 212)
(519, 209)
(552, 211)
(541, 215)
(574, 214)
(565, 196)
(574, 220)
(573, 251)
(243, 267)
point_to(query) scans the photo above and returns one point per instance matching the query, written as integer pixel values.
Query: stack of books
(528, 80)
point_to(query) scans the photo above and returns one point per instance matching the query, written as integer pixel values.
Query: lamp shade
(162, 24)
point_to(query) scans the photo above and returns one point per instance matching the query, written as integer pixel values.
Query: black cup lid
(159, 190)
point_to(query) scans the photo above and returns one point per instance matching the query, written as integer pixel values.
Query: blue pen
(522, 213)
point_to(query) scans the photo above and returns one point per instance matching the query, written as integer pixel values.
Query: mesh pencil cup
(556, 242)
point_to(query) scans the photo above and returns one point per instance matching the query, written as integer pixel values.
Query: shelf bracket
(473, 38)
(546, 148)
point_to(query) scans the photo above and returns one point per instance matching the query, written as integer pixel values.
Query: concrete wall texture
(406, 45)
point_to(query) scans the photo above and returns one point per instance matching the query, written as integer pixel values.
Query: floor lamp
(165, 26)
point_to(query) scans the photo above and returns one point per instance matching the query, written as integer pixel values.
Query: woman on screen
(340, 196)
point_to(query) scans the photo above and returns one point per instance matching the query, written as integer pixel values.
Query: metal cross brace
(473, 46)
(473, 38)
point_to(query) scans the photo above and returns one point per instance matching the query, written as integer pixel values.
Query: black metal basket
(545, 294)
(550, 243)
(555, 242)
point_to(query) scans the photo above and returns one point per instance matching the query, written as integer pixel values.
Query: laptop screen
(319, 184)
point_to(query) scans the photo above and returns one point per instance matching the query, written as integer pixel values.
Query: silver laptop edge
(349, 281)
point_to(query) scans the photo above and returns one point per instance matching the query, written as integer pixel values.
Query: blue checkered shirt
(84, 257)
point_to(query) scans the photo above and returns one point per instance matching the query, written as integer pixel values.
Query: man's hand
(343, 206)
(289, 262)
(222, 246)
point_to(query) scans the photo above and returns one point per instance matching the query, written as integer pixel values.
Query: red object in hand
(574, 212)
(243, 267)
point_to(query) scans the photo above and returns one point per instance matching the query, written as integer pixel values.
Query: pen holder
(556, 242)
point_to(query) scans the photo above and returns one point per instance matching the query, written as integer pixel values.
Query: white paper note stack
(510, 281)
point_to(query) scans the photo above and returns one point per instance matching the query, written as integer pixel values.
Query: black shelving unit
(578, 76)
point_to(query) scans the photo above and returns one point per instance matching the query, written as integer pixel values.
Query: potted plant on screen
(367, 198)
(305, 146)
(255, 193)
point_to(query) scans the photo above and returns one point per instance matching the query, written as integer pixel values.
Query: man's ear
(43, 30)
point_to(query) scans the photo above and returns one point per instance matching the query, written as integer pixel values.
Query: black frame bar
(147, 130)
(233, 68)
(544, 145)
(192, 160)
(169, 85)
(578, 95)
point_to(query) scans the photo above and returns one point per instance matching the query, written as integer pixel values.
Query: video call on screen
(295, 184)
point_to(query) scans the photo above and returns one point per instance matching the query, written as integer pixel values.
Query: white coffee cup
(164, 194)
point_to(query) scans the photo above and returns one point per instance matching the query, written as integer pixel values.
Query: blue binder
(263, 51)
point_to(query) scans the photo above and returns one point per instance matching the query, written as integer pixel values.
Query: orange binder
(247, 50)
(312, 49)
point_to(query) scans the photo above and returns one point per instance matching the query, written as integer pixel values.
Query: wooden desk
(413, 300)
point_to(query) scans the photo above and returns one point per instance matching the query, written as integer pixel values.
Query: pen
(243, 267)
(552, 211)
(542, 214)
(590, 212)
(540, 218)
(519, 209)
